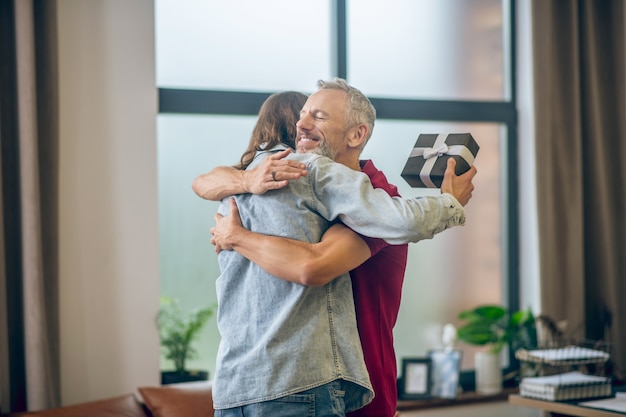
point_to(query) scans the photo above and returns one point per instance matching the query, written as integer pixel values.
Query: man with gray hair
(290, 349)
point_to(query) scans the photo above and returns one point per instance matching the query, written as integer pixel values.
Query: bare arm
(312, 264)
(224, 181)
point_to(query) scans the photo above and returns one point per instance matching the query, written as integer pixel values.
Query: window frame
(224, 102)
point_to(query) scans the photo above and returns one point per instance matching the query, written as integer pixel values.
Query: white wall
(109, 278)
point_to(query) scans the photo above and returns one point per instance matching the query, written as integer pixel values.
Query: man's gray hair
(360, 109)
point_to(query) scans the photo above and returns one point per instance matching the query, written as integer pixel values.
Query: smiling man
(285, 343)
(327, 127)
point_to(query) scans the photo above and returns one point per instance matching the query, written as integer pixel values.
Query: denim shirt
(279, 338)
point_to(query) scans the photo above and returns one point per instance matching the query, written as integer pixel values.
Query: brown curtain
(29, 358)
(580, 111)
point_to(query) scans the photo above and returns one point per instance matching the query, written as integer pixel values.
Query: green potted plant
(494, 327)
(177, 331)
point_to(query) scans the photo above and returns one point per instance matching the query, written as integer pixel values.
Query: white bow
(440, 150)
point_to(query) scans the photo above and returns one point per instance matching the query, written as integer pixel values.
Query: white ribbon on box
(439, 149)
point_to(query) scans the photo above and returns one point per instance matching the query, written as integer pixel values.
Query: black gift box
(428, 160)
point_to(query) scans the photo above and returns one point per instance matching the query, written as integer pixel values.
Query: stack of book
(563, 356)
(566, 386)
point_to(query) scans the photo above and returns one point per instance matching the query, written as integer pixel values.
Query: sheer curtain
(29, 348)
(580, 113)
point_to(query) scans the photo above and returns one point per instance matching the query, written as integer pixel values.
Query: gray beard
(324, 149)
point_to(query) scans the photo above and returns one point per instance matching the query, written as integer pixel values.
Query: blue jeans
(323, 401)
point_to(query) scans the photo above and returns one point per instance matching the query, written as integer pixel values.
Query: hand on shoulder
(273, 173)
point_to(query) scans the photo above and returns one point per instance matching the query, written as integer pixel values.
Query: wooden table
(562, 409)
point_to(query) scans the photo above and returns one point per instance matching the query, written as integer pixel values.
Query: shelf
(464, 398)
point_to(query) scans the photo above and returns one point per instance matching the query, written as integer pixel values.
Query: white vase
(488, 373)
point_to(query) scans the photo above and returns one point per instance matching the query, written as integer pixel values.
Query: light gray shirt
(280, 338)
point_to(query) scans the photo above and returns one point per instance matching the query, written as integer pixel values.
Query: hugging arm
(349, 196)
(273, 173)
(311, 264)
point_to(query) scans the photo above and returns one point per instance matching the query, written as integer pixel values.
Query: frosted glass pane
(444, 49)
(187, 147)
(242, 44)
(462, 267)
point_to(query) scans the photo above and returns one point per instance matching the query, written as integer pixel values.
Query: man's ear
(357, 136)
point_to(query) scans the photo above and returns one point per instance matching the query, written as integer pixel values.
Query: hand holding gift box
(428, 159)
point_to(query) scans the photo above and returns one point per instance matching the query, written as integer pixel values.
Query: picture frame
(415, 380)
(445, 370)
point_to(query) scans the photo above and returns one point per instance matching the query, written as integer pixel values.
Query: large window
(428, 67)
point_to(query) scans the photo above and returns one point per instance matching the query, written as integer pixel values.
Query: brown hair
(276, 124)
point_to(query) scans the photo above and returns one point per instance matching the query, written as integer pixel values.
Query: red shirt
(377, 288)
